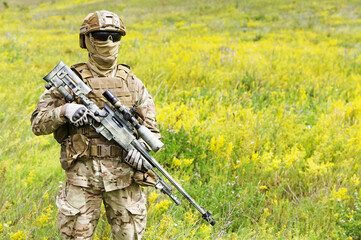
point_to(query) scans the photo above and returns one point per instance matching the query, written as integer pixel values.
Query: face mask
(107, 49)
(102, 55)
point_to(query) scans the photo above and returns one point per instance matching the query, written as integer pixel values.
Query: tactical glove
(134, 159)
(76, 114)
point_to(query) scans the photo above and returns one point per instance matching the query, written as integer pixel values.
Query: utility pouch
(145, 179)
(72, 148)
(61, 133)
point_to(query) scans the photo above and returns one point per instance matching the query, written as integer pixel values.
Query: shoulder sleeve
(82, 70)
(48, 115)
(145, 106)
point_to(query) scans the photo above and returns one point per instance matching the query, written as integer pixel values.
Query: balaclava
(102, 55)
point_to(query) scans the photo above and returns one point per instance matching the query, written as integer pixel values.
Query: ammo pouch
(145, 179)
(72, 148)
(61, 133)
(78, 145)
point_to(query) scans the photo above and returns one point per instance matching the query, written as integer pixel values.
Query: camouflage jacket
(85, 169)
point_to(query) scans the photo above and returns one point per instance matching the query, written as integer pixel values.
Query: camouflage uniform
(94, 167)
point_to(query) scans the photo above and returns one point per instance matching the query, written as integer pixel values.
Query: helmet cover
(100, 21)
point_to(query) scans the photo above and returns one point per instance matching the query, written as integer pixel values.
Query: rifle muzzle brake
(207, 216)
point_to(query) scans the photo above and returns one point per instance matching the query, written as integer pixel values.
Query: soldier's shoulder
(124, 66)
(81, 69)
(79, 66)
(126, 69)
(123, 72)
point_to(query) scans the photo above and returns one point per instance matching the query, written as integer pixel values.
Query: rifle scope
(143, 132)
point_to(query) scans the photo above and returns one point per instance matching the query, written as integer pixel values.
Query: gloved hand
(76, 114)
(134, 159)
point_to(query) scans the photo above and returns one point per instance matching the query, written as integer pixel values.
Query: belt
(87, 130)
(106, 151)
(99, 146)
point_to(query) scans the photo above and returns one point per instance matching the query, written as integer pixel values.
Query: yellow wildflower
(190, 218)
(341, 194)
(188, 162)
(355, 180)
(176, 162)
(213, 144)
(266, 212)
(229, 148)
(163, 205)
(30, 178)
(206, 229)
(167, 225)
(45, 216)
(46, 195)
(153, 196)
(20, 235)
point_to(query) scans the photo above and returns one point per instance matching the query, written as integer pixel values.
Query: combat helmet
(100, 21)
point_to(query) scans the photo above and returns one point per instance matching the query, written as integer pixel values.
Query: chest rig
(122, 85)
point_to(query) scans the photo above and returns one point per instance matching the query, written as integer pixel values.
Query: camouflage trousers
(80, 209)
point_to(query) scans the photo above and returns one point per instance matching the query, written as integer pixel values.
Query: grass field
(258, 103)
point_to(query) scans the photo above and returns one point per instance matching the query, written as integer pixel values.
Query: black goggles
(104, 36)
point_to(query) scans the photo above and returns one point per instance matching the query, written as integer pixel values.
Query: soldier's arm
(49, 113)
(145, 106)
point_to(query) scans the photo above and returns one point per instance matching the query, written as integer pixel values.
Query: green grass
(262, 95)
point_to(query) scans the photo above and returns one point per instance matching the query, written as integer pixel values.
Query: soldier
(97, 170)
